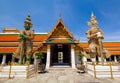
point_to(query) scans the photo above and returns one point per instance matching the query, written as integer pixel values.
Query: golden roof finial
(93, 22)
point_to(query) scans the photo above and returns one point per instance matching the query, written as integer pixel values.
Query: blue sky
(75, 15)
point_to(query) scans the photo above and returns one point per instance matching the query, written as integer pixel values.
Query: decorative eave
(59, 40)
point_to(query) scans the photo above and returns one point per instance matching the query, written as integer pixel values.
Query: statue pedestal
(93, 59)
(99, 71)
(17, 71)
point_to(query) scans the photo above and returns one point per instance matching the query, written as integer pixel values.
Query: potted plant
(80, 66)
(38, 56)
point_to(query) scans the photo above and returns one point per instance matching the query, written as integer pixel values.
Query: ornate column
(4, 59)
(115, 59)
(72, 56)
(48, 57)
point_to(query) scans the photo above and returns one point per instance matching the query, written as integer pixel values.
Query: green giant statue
(26, 36)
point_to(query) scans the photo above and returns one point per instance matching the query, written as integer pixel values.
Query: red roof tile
(15, 38)
(9, 49)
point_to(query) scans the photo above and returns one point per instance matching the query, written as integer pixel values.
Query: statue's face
(27, 26)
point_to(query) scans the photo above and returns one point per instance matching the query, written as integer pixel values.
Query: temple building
(58, 46)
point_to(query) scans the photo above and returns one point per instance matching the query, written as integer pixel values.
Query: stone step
(56, 69)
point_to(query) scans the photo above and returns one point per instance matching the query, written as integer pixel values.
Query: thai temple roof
(9, 43)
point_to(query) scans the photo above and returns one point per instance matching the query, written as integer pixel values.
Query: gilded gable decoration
(60, 34)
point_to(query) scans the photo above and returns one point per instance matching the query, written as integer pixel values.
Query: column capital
(4, 55)
(72, 45)
(48, 46)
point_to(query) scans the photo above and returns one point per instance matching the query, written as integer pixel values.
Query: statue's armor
(93, 31)
(93, 41)
(25, 44)
(28, 42)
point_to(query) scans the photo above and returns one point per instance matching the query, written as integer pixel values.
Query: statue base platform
(107, 70)
(17, 71)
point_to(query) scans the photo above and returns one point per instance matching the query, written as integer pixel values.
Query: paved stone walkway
(61, 76)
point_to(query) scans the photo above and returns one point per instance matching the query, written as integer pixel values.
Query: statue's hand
(99, 34)
(22, 36)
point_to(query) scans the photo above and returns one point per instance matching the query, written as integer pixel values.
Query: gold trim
(48, 46)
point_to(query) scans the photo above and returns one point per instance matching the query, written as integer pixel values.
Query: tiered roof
(9, 43)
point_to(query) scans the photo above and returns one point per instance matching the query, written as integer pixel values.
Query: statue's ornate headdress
(93, 22)
(28, 21)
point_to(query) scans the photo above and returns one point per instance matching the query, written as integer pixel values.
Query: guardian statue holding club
(95, 36)
(26, 36)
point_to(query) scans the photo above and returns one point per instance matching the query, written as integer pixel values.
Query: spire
(93, 21)
(60, 15)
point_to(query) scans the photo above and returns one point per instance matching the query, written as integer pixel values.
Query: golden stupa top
(93, 21)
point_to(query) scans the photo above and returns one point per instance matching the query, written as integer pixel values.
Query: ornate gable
(60, 31)
(60, 34)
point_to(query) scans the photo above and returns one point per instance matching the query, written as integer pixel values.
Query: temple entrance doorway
(60, 54)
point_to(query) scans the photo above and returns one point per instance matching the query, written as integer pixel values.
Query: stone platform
(107, 70)
(61, 75)
(17, 71)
